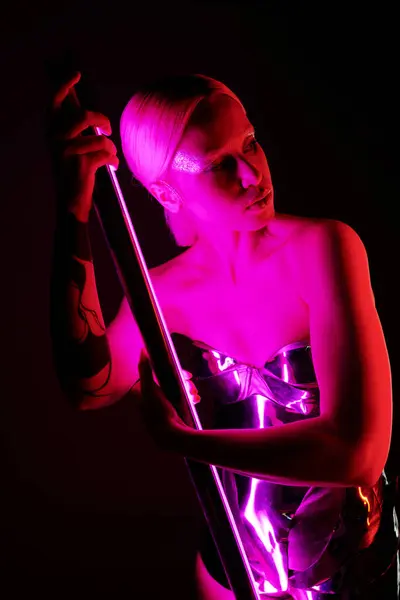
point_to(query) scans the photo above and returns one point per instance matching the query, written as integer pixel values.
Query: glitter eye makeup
(185, 163)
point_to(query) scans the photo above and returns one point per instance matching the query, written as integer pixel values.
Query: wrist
(77, 236)
(183, 439)
(81, 214)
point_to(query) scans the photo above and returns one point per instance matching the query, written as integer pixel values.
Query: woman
(273, 318)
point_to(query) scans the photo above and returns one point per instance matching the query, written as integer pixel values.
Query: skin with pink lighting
(218, 175)
(218, 172)
(274, 320)
(185, 163)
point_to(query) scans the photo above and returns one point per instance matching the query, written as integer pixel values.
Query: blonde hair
(152, 125)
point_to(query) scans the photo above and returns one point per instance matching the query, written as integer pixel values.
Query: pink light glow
(262, 524)
(266, 534)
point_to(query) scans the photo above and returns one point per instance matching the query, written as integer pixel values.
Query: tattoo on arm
(88, 354)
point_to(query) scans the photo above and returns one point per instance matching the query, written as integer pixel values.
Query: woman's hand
(77, 157)
(162, 421)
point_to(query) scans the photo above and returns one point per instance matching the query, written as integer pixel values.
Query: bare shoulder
(315, 247)
(307, 245)
(319, 238)
(300, 230)
(327, 254)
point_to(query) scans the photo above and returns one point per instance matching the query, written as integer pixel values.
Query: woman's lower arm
(304, 453)
(80, 347)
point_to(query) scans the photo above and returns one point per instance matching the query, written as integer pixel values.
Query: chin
(258, 219)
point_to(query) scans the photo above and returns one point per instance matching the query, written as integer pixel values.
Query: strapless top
(299, 537)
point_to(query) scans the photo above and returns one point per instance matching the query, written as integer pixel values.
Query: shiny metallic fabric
(302, 542)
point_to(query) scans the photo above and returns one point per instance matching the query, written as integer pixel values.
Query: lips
(259, 197)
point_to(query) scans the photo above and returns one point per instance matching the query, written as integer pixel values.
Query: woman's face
(219, 169)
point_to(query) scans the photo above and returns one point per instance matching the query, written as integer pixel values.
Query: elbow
(80, 401)
(80, 398)
(365, 466)
(94, 402)
(364, 478)
(73, 397)
(355, 462)
(87, 403)
(363, 456)
(369, 479)
(360, 476)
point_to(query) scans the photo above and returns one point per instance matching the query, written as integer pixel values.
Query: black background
(89, 507)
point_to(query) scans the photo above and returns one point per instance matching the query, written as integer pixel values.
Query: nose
(248, 172)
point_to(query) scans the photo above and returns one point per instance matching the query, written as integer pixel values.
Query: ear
(166, 195)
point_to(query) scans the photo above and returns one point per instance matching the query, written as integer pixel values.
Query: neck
(230, 254)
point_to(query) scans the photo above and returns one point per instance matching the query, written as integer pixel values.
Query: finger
(192, 389)
(195, 398)
(187, 374)
(64, 90)
(89, 119)
(91, 161)
(99, 159)
(89, 143)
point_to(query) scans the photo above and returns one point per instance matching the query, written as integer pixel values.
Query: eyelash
(253, 146)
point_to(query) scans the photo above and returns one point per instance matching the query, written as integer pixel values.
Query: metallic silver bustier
(309, 538)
